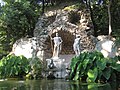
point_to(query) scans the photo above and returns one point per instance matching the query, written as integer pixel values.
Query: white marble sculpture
(76, 45)
(57, 46)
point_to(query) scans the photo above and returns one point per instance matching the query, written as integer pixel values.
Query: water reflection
(57, 84)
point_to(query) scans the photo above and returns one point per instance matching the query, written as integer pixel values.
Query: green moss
(72, 7)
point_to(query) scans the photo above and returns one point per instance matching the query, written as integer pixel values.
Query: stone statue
(51, 64)
(57, 46)
(76, 45)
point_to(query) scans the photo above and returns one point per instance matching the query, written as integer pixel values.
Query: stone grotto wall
(61, 21)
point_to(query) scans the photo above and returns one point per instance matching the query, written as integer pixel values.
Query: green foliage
(101, 19)
(17, 19)
(115, 12)
(14, 66)
(100, 16)
(36, 68)
(19, 66)
(93, 67)
(72, 7)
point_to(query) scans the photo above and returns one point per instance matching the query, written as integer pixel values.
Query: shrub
(14, 66)
(36, 69)
(93, 67)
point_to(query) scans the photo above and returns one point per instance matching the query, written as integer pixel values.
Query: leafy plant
(93, 67)
(14, 66)
(36, 68)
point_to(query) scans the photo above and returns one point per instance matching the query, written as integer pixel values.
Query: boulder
(28, 47)
(106, 47)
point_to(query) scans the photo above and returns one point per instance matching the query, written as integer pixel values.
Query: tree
(18, 19)
(43, 6)
(115, 14)
(95, 4)
(109, 14)
(89, 5)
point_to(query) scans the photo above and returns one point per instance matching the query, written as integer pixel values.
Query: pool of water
(57, 84)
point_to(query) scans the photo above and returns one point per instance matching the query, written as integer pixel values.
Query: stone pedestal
(57, 67)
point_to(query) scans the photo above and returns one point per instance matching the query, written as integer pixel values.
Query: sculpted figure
(57, 45)
(76, 45)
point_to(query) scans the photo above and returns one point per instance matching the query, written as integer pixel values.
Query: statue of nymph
(76, 45)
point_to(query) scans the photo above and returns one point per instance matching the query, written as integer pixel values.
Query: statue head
(34, 38)
(56, 34)
(77, 36)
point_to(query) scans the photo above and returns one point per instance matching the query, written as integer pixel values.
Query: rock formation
(64, 22)
(67, 23)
